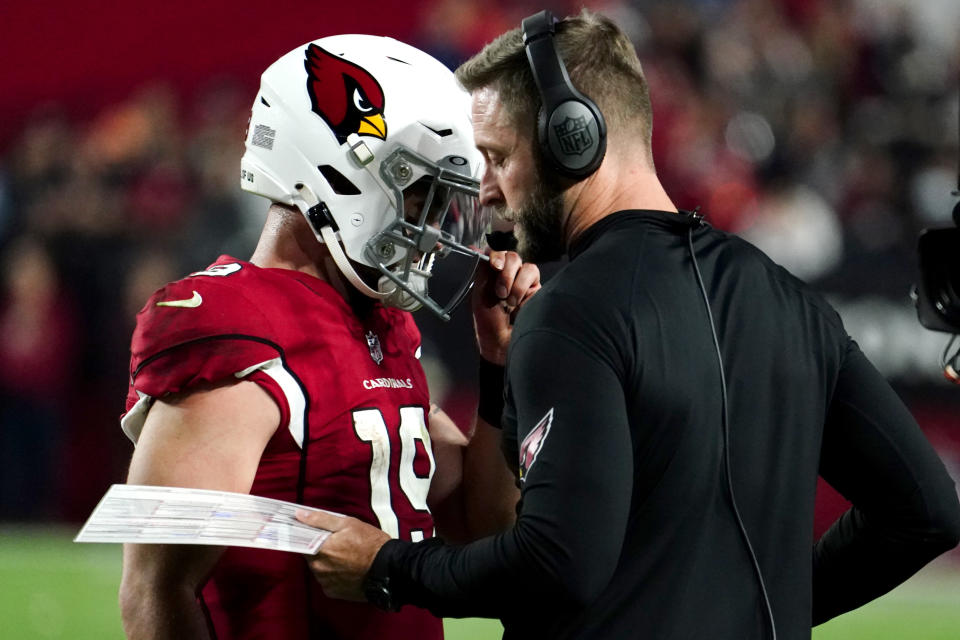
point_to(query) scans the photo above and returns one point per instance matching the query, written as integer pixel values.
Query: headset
(570, 128)
(696, 220)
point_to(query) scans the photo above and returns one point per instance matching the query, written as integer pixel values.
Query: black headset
(570, 128)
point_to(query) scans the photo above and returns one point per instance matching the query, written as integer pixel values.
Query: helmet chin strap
(336, 251)
(343, 263)
(406, 299)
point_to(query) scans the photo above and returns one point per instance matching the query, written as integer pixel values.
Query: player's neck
(287, 242)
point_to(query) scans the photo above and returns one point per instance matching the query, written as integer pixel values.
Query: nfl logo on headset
(373, 342)
(574, 136)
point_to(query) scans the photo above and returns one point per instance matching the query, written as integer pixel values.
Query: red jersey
(353, 435)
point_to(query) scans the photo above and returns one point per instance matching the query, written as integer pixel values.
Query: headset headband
(550, 74)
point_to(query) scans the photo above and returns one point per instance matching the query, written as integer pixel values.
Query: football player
(296, 375)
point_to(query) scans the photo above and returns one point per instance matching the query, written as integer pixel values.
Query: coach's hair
(602, 64)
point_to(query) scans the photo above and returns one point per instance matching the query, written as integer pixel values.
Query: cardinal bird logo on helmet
(345, 95)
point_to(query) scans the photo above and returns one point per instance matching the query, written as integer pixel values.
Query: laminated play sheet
(174, 515)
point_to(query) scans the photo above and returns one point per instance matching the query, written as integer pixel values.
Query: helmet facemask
(437, 215)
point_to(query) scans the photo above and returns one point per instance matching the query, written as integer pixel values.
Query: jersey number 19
(371, 428)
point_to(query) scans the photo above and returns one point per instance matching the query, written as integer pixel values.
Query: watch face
(377, 592)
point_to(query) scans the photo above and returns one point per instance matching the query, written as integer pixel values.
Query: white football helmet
(371, 139)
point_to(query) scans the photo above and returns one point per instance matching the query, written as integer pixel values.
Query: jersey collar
(628, 217)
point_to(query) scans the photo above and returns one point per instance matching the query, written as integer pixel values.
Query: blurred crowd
(824, 131)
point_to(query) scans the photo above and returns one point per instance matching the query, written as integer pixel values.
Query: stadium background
(825, 131)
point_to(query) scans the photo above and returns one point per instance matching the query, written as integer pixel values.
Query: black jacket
(614, 413)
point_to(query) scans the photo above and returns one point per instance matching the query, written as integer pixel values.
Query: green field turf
(52, 588)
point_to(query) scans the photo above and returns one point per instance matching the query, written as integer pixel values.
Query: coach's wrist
(377, 587)
(492, 353)
(491, 398)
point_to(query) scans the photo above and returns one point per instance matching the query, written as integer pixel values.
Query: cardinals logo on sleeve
(345, 95)
(533, 443)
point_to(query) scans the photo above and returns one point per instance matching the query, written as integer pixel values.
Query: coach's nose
(490, 193)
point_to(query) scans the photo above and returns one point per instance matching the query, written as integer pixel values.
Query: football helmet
(371, 140)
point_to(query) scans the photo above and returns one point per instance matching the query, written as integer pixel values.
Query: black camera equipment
(938, 291)
(937, 294)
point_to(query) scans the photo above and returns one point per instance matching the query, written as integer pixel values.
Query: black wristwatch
(377, 592)
(376, 585)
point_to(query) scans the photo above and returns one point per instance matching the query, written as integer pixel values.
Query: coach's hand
(502, 287)
(344, 558)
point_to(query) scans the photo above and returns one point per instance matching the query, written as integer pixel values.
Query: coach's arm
(474, 492)
(566, 542)
(905, 510)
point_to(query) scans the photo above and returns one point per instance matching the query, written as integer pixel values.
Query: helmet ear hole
(340, 183)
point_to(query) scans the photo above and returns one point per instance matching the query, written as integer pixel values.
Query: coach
(671, 397)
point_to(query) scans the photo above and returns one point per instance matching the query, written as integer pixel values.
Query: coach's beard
(539, 225)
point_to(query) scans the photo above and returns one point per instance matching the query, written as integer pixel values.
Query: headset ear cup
(543, 139)
(570, 127)
(574, 137)
(551, 158)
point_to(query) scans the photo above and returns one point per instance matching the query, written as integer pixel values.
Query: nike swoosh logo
(189, 303)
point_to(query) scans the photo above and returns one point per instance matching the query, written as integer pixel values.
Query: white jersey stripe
(296, 401)
(132, 421)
